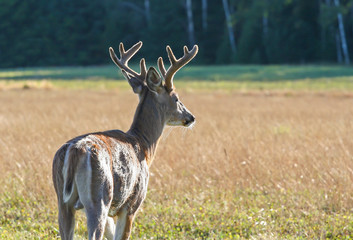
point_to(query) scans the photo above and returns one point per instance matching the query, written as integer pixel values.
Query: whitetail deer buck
(107, 173)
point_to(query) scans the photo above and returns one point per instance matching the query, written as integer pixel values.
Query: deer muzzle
(189, 121)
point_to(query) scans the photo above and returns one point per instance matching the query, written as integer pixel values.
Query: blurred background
(79, 32)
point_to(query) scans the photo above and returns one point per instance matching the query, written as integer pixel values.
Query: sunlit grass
(196, 73)
(241, 214)
(315, 85)
(59, 73)
(233, 77)
(266, 159)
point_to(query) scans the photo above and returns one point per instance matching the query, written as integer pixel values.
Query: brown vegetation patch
(265, 142)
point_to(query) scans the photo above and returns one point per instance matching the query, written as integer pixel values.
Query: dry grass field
(258, 165)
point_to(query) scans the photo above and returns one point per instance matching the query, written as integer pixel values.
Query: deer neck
(147, 126)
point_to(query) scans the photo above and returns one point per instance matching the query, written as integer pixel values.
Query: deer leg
(109, 228)
(124, 225)
(96, 221)
(66, 221)
(97, 204)
(97, 208)
(95, 190)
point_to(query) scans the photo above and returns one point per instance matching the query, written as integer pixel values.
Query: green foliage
(242, 214)
(78, 32)
(51, 32)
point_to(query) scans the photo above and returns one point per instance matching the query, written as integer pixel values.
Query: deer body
(106, 173)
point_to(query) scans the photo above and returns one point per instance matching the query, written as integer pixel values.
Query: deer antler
(176, 64)
(125, 56)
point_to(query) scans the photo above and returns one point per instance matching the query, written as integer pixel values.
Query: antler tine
(161, 66)
(121, 50)
(176, 64)
(125, 56)
(186, 50)
(171, 56)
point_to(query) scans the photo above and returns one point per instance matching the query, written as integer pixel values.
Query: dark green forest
(79, 32)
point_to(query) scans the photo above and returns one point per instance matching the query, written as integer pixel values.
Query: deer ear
(154, 80)
(134, 83)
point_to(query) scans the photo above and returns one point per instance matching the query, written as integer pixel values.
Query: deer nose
(190, 120)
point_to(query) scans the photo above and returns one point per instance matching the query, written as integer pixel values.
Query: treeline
(79, 32)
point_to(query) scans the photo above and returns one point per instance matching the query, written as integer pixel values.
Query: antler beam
(125, 56)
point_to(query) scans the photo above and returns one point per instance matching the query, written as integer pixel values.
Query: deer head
(158, 89)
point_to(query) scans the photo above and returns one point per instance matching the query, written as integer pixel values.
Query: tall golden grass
(266, 142)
